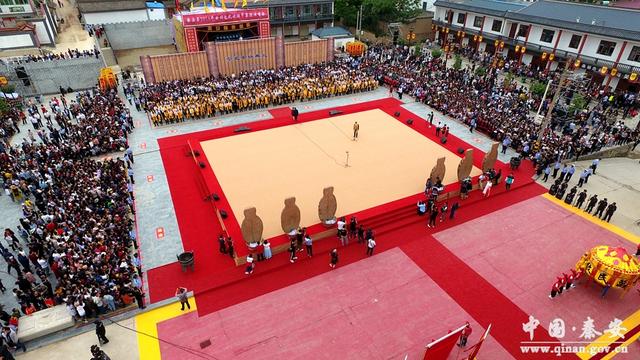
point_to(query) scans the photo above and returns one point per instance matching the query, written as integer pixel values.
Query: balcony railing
(301, 18)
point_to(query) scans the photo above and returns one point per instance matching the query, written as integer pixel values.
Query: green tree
(4, 106)
(457, 62)
(8, 89)
(481, 71)
(436, 53)
(578, 103)
(538, 88)
(376, 10)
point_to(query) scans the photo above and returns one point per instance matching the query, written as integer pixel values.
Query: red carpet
(199, 227)
(278, 272)
(282, 112)
(475, 294)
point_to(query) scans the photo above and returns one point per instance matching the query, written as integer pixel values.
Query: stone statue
(251, 226)
(465, 165)
(328, 206)
(438, 170)
(290, 216)
(490, 158)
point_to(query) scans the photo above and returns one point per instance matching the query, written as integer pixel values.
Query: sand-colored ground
(389, 161)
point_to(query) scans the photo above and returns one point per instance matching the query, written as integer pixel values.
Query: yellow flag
(244, 3)
(235, 3)
(206, 6)
(224, 5)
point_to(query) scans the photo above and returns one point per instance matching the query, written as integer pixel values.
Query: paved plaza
(617, 179)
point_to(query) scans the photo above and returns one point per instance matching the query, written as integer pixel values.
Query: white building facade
(24, 24)
(547, 34)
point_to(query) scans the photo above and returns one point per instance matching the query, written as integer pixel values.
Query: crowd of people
(179, 100)
(73, 244)
(483, 102)
(69, 54)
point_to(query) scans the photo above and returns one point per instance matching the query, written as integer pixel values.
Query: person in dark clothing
(139, 296)
(453, 210)
(334, 258)
(581, 198)
(570, 196)
(591, 204)
(432, 218)
(5, 353)
(602, 205)
(294, 113)
(230, 249)
(609, 212)
(222, 243)
(101, 332)
(360, 234)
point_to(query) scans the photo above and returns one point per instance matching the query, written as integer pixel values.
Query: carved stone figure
(328, 206)
(251, 226)
(465, 165)
(490, 158)
(290, 216)
(438, 170)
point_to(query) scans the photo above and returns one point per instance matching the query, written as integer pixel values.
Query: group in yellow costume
(177, 101)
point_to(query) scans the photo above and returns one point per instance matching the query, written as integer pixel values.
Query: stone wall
(140, 34)
(46, 77)
(611, 152)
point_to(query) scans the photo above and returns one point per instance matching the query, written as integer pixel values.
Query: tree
(578, 103)
(4, 106)
(538, 88)
(457, 62)
(376, 10)
(481, 71)
(436, 53)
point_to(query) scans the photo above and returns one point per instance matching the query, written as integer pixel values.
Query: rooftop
(331, 31)
(596, 19)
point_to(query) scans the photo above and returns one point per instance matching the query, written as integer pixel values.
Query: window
(496, 26)
(290, 11)
(461, 18)
(547, 35)
(523, 30)
(575, 41)
(606, 48)
(477, 21)
(634, 55)
(306, 10)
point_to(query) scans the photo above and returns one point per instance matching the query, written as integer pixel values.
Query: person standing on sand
(356, 129)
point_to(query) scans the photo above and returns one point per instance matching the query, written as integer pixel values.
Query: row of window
(478, 20)
(14, 2)
(605, 47)
(303, 10)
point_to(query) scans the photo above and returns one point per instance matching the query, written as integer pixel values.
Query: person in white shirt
(371, 244)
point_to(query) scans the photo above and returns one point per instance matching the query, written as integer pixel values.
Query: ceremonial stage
(389, 161)
(493, 264)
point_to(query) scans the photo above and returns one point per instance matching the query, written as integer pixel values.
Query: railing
(301, 18)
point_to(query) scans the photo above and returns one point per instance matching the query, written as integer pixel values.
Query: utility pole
(547, 119)
(359, 22)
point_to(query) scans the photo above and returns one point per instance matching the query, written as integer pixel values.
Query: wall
(15, 41)
(305, 52)
(47, 76)
(42, 32)
(112, 17)
(234, 57)
(139, 34)
(180, 66)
